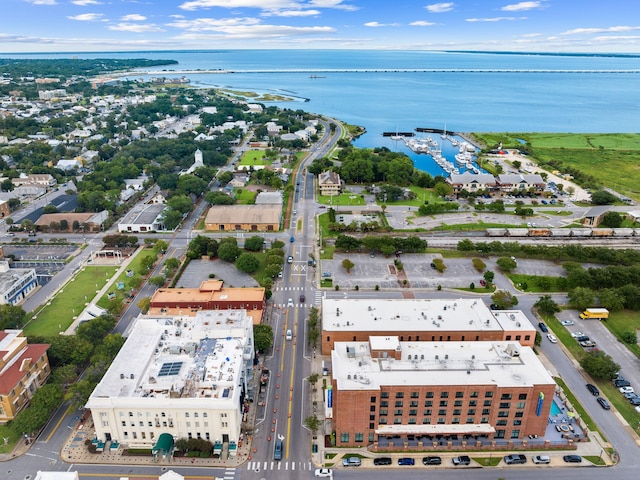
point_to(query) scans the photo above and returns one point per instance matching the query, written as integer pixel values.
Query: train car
(560, 232)
(602, 232)
(518, 232)
(580, 232)
(496, 232)
(539, 232)
(624, 232)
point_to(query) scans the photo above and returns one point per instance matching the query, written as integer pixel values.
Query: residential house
(471, 182)
(521, 182)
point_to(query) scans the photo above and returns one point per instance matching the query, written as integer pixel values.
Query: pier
(398, 134)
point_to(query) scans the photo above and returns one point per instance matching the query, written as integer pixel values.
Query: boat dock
(398, 134)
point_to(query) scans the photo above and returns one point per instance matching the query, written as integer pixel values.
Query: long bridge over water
(314, 72)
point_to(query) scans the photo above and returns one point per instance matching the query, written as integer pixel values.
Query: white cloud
(42, 2)
(86, 17)
(206, 24)
(440, 7)
(378, 24)
(624, 39)
(495, 19)
(588, 31)
(421, 23)
(135, 27)
(84, 3)
(292, 13)
(261, 32)
(270, 6)
(133, 17)
(518, 7)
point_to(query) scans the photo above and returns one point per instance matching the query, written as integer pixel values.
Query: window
(484, 420)
(473, 403)
(441, 421)
(444, 394)
(459, 394)
(442, 412)
(471, 411)
(412, 421)
(527, 338)
(359, 437)
(372, 408)
(505, 396)
(470, 420)
(518, 337)
(383, 412)
(456, 411)
(426, 421)
(397, 412)
(505, 404)
(487, 403)
(502, 423)
(150, 424)
(344, 437)
(371, 436)
(457, 403)
(371, 427)
(384, 403)
(455, 420)
(519, 414)
(384, 395)
(508, 337)
(134, 435)
(413, 403)
(515, 433)
(429, 395)
(427, 411)
(503, 414)
(124, 424)
(373, 399)
(383, 421)
(444, 403)
(141, 423)
(186, 414)
(196, 414)
(399, 403)
(224, 424)
(414, 394)
(413, 412)
(397, 421)
(517, 423)
(204, 414)
(520, 405)
(399, 394)
(188, 424)
(428, 403)
(372, 417)
(488, 394)
(131, 414)
(474, 395)
(486, 411)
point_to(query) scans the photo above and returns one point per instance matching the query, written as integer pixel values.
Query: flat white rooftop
(418, 315)
(504, 364)
(181, 357)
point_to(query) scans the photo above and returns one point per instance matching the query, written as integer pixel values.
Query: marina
(463, 160)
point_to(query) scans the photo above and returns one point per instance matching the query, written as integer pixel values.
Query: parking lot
(199, 270)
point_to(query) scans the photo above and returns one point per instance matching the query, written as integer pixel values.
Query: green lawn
(474, 226)
(254, 157)
(139, 271)
(624, 321)
(344, 199)
(7, 432)
(245, 197)
(538, 284)
(422, 195)
(57, 315)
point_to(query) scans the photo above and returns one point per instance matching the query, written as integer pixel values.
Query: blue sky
(125, 25)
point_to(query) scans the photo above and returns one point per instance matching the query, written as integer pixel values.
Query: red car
(483, 283)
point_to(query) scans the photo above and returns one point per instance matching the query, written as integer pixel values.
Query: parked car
(593, 389)
(552, 338)
(543, 327)
(461, 460)
(541, 459)
(323, 472)
(626, 390)
(483, 282)
(351, 462)
(572, 458)
(567, 323)
(635, 401)
(603, 403)
(583, 338)
(577, 334)
(406, 461)
(289, 259)
(515, 459)
(382, 461)
(432, 460)
(621, 382)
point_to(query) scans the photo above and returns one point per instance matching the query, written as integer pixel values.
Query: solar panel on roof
(170, 368)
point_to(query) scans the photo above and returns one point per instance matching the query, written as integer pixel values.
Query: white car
(567, 323)
(626, 390)
(290, 302)
(577, 334)
(552, 338)
(323, 472)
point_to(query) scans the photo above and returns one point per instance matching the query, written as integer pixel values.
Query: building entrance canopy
(441, 429)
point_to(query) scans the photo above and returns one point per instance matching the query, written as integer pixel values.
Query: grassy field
(624, 321)
(254, 157)
(613, 159)
(422, 195)
(537, 283)
(57, 315)
(138, 269)
(245, 197)
(344, 199)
